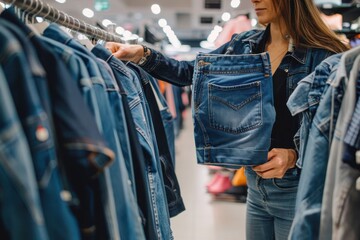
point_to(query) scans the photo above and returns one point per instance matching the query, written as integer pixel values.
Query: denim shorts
(233, 109)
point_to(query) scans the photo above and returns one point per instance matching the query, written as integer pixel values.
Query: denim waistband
(232, 64)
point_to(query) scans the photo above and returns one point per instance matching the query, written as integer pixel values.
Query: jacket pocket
(235, 109)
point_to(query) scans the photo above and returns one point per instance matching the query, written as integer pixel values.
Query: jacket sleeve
(176, 72)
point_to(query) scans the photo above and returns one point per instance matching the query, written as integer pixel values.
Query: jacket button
(42, 134)
(286, 70)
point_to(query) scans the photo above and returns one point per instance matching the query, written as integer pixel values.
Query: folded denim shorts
(233, 109)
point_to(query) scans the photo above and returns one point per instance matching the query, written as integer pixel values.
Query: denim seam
(196, 109)
(157, 62)
(135, 102)
(144, 135)
(118, 67)
(153, 202)
(6, 137)
(230, 72)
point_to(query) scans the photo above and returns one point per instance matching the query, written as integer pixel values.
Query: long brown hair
(305, 26)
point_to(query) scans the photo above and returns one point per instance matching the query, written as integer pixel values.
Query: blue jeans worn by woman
(270, 205)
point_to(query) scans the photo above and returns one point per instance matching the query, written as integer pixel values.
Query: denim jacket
(297, 63)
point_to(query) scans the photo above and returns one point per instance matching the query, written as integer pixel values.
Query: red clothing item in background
(235, 25)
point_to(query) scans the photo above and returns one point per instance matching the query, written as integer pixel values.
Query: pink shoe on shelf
(221, 185)
(214, 179)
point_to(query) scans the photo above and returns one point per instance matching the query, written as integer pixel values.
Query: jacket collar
(258, 39)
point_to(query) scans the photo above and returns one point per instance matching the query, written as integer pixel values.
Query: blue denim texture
(306, 98)
(228, 85)
(339, 177)
(81, 76)
(42, 147)
(133, 89)
(128, 212)
(53, 31)
(172, 188)
(314, 100)
(167, 118)
(270, 205)
(20, 208)
(128, 218)
(140, 165)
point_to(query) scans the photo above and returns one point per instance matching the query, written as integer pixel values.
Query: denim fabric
(308, 207)
(38, 128)
(166, 117)
(140, 166)
(21, 212)
(130, 218)
(81, 76)
(270, 205)
(172, 188)
(228, 85)
(54, 32)
(115, 100)
(127, 211)
(135, 100)
(306, 98)
(340, 180)
(179, 107)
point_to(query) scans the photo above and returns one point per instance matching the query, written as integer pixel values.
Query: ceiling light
(127, 34)
(106, 22)
(155, 8)
(218, 28)
(87, 12)
(61, 1)
(167, 29)
(39, 19)
(226, 16)
(235, 3)
(162, 22)
(119, 30)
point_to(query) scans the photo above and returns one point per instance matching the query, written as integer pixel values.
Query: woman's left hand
(279, 161)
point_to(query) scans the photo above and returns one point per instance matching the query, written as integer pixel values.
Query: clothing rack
(44, 10)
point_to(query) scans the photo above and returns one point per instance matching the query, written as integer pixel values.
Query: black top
(285, 126)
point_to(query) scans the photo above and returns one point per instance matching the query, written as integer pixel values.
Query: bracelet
(145, 56)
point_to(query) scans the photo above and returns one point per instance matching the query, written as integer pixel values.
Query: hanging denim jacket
(297, 63)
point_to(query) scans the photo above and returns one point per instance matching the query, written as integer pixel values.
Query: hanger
(24, 13)
(86, 41)
(39, 27)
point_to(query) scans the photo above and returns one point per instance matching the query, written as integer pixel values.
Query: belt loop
(266, 63)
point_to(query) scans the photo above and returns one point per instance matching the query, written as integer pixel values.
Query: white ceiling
(182, 15)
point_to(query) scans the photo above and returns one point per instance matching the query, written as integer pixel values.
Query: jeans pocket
(235, 109)
(289, 182)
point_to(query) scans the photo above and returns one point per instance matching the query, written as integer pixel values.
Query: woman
(297, 41)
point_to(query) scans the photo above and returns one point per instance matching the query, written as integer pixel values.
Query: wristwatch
(145, 56)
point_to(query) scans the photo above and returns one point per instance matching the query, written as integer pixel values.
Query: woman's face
(265, 11)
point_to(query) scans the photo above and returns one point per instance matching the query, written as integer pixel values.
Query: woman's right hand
(126, 52)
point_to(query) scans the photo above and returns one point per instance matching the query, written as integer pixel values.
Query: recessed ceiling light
(61, 1)
(155, 8)
(87, 12)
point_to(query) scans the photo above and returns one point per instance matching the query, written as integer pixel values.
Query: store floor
(204, 217)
